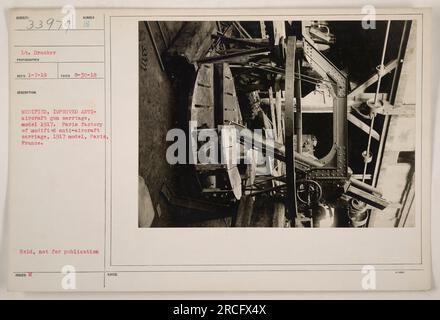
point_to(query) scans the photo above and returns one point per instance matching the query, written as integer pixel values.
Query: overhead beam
(375, 77)
(361, 125)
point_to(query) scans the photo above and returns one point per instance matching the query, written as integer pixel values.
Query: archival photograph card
(219, 150)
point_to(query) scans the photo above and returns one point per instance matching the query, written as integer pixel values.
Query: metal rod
(392, 100)
(281, 178)
(234, 55)
(282, 71)
(277, 70)
(381, 147)
(298, 118)
(162, 34)
(252, 42)
(263, 30)
(382, 61)
(272, 111)
(367, 153)
(365, 186)
(401, 53)
(277, 187)
(159, 59)
(278, 112)
(241, 30)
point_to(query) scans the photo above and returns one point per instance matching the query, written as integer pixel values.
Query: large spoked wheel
(308, 192)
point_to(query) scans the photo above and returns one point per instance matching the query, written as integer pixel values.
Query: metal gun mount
(303, 181)
(332, 168)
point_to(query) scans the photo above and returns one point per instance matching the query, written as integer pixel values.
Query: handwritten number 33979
(49, 24)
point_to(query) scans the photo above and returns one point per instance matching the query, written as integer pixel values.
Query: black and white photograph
(283, 124)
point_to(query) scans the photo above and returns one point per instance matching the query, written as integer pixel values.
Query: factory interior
(320, 116)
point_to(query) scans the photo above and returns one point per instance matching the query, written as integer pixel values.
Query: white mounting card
(100, 199)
